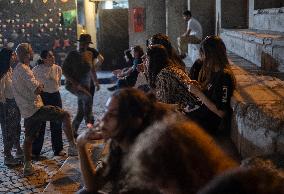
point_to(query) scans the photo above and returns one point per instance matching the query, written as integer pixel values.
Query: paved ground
(12, 180)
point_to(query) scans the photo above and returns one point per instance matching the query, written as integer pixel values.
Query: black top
(195, 69)
(219, 91)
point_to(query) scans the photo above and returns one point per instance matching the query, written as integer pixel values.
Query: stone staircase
(68, 179)
(258, 103)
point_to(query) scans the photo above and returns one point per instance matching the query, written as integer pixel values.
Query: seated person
(128, 113)
(128, 78)
(176, 156)
(128, 63)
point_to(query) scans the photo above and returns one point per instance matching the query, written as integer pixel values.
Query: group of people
(161, 141)
(33, 94)
(157, 140)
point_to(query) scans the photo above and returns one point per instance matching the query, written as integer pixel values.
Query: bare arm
(187, 33)
(92, 179)
(194, 89)
(100, 60)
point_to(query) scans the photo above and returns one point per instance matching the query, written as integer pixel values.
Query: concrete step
(268, 19)
(263, 48)
(251, 67)
(258, 116)
(68, 179)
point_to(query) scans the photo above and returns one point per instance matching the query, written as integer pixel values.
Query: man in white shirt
(26, 90)
(193, 34)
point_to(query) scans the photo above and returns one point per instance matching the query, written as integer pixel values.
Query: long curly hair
(158, 59)
(133, 104)
(5, 59)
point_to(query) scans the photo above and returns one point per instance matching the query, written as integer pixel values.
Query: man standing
(26, 90)
(193, 34)
(79, 69)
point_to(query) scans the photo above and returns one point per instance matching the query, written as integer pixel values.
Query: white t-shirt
(49, 76)
(24, 85)
(195, 27)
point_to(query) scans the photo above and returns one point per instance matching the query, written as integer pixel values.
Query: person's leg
(38, 141)
(184, 41)
(56, 126)
(15, 120)
(79, 116)
(54, 113)
(32, 127)
(88, 111)
(182, 45)
(8, 134)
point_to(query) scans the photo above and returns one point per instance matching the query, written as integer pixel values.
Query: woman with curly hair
(128, 113)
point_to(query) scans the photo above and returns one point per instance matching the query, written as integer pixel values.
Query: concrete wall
(112, 36)
(175, 23)
(44, 25)
(204, 12)
(264, 4)
(232, 14)
(269, 19)
(154, 20)
(90, 21)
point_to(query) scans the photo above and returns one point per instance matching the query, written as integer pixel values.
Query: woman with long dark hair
(10, 113)
(167, 79)
(128, 113)
(215, 85)
(49, 74)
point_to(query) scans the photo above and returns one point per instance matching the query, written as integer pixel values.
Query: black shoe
(112, 88)
(75, 134)
(182, 56)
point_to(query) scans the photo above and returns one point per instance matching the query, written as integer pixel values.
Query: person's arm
(99, 60)
(30, 80)
(59, 75)
(223, 98)
(91, 176)
(95, 79)
(77, 85)
(188, 29)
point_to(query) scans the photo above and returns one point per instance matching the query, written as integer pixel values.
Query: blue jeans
(53, 99)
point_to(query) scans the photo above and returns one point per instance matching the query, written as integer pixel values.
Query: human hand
(88, 136)
(39, 89)
(82, 89)
(140, 67)
(195, 89)
(97, 86)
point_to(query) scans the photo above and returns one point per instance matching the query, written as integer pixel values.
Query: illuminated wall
(46, 24)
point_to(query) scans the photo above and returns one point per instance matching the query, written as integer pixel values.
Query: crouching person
(26, 90)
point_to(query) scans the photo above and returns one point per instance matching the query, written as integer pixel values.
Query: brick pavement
(12, 179)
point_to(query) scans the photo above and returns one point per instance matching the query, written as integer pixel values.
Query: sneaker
(11, 161)
(72, 151)
(61, 153)
(112, 88)
(28, 169)
(19, 154)
(182, 56)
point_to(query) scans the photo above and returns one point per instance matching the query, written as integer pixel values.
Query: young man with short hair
(79, 69)
(193, 34)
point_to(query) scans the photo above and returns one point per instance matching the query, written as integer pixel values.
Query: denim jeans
(84, 102)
